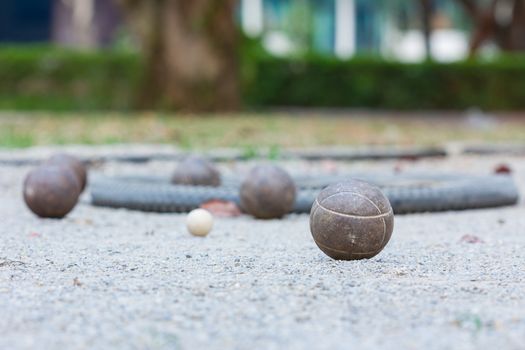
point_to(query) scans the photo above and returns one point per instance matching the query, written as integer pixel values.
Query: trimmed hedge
(48, 78)
(373, 83)
(59, 79)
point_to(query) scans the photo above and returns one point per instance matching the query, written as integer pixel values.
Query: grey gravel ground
(117, 279)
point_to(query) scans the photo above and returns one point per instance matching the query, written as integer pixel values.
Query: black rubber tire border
(407, 193)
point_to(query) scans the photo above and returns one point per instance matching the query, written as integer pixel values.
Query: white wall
(446, 45)
(252, 17)
(345, 28)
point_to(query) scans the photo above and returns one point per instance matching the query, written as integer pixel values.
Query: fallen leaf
(410, 158)
(221, 208)
(398, 168)
(502, 169)
(471, 239)
(329, 166)
(84, 221)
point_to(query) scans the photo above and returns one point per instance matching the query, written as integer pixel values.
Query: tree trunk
(511, 36)
(485, 27)
(426, 16)
(190, 53)
(507, 33)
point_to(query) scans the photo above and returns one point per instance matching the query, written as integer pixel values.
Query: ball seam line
(357, 194)
(378, 216)
(370, 252)
(384, 232)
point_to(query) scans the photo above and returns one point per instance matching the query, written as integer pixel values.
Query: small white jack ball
(199, 222)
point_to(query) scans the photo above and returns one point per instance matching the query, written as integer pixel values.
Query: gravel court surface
(105, 278)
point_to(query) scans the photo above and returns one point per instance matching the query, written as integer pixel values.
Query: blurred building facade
(25, 20)
(343, 28)
(85, 23)
(392, 28)
(79, 23)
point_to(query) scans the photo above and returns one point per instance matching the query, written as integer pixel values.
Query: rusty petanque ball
(196, 171)
(51, 191)
(351, 220)
(64, 159)
(268, 192)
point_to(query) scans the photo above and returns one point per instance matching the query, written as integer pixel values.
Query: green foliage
(59, 79)
(250, 152)
(375, 83)
(41, 77)
(274, 152)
